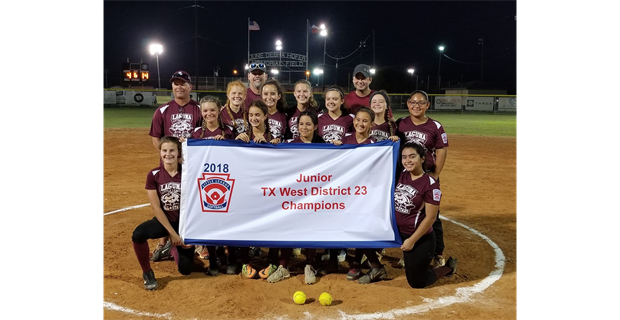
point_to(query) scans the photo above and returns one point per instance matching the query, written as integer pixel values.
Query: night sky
(406, 35)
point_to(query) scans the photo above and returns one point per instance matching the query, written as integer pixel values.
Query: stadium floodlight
(157, 49)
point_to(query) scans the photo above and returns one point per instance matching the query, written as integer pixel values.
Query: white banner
(448, 103)
(507, 104)
(478, 103)
(289, 195)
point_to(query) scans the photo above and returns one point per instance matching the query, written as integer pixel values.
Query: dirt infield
(479, 188)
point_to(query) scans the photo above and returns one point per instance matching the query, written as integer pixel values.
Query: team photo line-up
(259, 113)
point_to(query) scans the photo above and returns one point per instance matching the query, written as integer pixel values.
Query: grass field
(454, 123)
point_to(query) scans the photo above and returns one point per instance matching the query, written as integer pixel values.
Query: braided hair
(390, 120)
(217, 102)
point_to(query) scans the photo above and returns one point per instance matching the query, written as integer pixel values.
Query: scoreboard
(136, 72)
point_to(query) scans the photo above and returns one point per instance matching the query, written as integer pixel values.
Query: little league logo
(215, 191)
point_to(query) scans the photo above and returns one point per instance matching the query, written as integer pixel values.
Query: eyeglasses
(257, 65)
(419, 103)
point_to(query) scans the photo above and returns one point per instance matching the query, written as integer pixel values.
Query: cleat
(401, 262)
(149, 280)
(310, 274)
(296, 252)
(438, 261)
(203, 253)
(375, 274)
(231, 269)
(354, 273)
(265, 273)
(280, 274)
(452, 264)
(248, 272)
(342, 255)
(162, 252)
(212, 272)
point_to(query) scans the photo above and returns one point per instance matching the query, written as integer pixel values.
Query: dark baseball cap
(363, 69)
(257, 66)
(181, 75)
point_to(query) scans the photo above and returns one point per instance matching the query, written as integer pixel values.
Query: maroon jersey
(237, 123)
(349, 138)
(265, 135)
(409, 199)
(227, 133)
(249, 97)
(277, 124)
(168, 190)
(431, 134)
(380, 132)
(354, 102)
(171, 119)
(292, 122)
(330, 129)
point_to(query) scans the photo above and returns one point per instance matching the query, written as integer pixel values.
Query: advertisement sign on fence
(478, 103)
(507, 104)
(448, 103)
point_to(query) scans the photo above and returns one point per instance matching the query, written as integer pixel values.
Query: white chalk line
(462, 294)
(128, 208)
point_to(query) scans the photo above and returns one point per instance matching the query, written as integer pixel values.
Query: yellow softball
(299, 297)
(325, 299)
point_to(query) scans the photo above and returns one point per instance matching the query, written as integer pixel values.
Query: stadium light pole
(157, 49)
(441, 48)
(279, 48)
(411, 70)
(323, 33)
(318, 72)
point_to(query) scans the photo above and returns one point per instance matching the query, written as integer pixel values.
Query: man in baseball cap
(364, 69)
(181, 75)
(177, 117)
(257, 75)
(361, 96)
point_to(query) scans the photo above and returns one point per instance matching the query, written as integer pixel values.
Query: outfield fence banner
(290, 195)
(448, 103)
(478, 103)
(507, 104)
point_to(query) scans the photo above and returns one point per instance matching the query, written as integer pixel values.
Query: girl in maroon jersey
(259, 131)
(308, 128)
(417, 127)
(163, 187)
(384, 126)
(362, 123)
(233, 112)
(337, 121)
(212, 126)
(305, 101)
(273, 96)
(364, 117)
(308, 124)
(416, 202)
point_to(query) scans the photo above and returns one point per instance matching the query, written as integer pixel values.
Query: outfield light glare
(156, 49)
(323, 33)
(318, 71)
(372, 70)
(247, 67)
(278, 43)
(322, 26)
(278, 48)
(274, 71)
(441, 48)
(410, 71)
